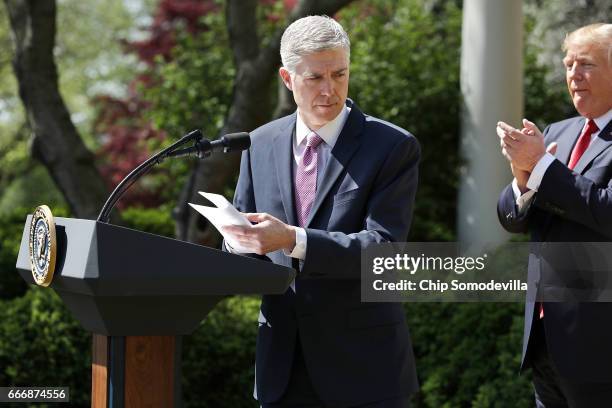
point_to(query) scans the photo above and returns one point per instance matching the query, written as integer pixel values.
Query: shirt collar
(603, 120)
(329, 133)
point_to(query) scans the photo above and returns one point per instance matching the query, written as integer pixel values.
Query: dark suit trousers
(554, 391)
(300, 392)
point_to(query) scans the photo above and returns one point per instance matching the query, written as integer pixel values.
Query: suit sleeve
(508, 213)
(244, 198)
(574, 197)
(388, 218)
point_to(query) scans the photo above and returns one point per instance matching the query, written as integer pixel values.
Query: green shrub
(405, 69)
(219, 358)
(468, 354)
(154, 220)
(42, 345)
(11, 228)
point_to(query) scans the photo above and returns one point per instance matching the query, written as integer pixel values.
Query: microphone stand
(142, 169)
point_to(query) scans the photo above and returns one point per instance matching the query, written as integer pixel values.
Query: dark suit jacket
(570, 206)
(355, 352)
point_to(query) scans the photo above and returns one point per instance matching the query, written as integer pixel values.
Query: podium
(138, 293)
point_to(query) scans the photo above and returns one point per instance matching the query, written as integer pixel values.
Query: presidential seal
(43, 245)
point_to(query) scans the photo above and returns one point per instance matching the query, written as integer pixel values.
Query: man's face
(589, 79)
(319, 85)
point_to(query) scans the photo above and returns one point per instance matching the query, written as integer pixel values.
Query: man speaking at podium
(320, 185)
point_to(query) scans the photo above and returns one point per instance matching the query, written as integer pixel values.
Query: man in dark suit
(563, 193)
(321, 185)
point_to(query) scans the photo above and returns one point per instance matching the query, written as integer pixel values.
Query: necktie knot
(591, 127)
(313, 140)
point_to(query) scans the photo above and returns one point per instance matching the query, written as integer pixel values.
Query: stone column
(492, 90)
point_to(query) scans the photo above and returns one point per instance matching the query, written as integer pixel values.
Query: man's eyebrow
(315, 73)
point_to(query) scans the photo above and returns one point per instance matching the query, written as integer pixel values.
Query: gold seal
(43, 246)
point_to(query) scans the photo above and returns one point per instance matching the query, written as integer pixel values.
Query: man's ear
(286, 77)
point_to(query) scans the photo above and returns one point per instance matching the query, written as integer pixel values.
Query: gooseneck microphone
(232, 142)
(201, 148)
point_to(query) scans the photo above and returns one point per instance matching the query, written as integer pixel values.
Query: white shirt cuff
(516, 190)
(538, 171)
(299, 251)
(230, 249)
(522, 200)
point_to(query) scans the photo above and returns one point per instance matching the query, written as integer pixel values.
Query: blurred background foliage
(136, 75)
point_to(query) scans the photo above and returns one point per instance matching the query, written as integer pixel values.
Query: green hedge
(41, 345)
(218, 359)
(467, 354)
(11, 227)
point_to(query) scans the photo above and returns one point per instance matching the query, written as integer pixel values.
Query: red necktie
(583, 143)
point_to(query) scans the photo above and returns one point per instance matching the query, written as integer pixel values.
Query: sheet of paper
(223, 214)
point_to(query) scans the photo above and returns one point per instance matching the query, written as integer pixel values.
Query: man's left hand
(524, 148)
(269, 234)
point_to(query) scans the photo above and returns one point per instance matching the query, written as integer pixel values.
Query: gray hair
(309, 35)
(598, 34)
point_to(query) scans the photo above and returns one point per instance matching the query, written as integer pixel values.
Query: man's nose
(574, 72)
(326, 87)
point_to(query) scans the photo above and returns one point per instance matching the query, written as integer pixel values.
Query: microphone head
(235, 142)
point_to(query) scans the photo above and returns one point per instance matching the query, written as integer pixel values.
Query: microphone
(232, 142)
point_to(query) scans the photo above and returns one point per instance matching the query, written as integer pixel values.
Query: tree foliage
(405, 69)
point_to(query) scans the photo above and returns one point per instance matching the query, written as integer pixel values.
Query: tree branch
(242, 29)
(56, 143)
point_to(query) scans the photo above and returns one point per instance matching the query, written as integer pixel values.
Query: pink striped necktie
(306, 179)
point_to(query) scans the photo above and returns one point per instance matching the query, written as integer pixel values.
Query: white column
(492, 90)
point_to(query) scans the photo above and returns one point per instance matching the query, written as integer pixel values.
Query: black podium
(138, 293)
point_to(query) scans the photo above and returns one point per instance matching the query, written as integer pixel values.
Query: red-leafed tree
(125, 132)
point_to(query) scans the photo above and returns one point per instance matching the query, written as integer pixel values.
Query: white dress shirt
(523, 200)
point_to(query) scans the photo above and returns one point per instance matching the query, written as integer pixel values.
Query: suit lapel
(566, 144)
(345, 147)
(601, 143)
(283, 157)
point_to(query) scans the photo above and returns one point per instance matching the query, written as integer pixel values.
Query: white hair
(598, 34)
(309, 35)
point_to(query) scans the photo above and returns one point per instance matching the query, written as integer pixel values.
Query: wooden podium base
(135, 371)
